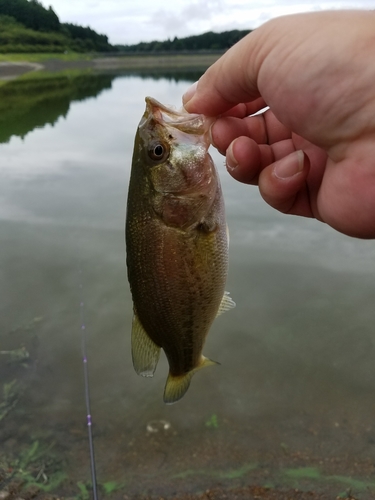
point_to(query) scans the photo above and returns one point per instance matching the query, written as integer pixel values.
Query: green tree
(206, 41)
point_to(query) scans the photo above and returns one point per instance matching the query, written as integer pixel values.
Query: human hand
(313, 152)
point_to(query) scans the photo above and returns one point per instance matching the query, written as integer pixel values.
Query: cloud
(193, 18)
(128, 22)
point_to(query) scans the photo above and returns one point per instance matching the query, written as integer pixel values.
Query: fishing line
(87, 391)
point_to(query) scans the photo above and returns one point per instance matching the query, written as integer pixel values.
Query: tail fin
(176, 386)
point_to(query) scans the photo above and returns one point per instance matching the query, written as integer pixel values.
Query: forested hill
(206, 41)
(27, 26)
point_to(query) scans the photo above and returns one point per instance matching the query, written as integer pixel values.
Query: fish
(176, 244)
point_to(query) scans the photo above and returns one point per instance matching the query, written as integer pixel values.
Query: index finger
(227, 82)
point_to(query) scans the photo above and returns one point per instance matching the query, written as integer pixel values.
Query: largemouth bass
(177, 244)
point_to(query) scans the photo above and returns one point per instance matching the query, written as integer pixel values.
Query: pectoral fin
(226, 303)
(145, 352)
(176, 386)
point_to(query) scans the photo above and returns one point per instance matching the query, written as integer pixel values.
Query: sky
(131, 21)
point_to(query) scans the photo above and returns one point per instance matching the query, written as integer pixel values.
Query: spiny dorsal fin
(176, 387)
(145, 352)
(226, 304)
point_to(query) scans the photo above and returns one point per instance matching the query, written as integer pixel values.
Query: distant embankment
(128, 63)
(161, 60)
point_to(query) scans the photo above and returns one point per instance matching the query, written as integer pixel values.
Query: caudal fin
(176, 386)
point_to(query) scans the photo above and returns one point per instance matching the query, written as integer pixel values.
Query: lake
(292, 405)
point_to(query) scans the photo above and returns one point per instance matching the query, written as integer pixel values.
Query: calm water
(292, 404)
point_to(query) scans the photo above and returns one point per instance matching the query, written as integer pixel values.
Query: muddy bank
(156, 61)
(251, 493)
(9, 71)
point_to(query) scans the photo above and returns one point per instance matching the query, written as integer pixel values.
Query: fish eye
(158, 152)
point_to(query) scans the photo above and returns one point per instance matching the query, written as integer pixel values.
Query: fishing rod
(87, 392)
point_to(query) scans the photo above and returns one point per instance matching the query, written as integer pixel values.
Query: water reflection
(291, 405)
(30, 103)
(183, 75)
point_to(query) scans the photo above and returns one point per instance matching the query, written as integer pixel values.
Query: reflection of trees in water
(31, 103)
(28, 104)
(172, 74)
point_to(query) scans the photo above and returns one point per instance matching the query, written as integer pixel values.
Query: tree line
(206, 41)
(27, 26)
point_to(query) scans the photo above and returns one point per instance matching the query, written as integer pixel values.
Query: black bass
(177, 244)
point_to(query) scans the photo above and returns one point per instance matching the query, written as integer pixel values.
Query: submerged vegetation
(26, 26)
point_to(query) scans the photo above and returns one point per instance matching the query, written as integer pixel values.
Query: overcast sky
(132, 21)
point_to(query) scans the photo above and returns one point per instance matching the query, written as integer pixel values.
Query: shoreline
(12, 70)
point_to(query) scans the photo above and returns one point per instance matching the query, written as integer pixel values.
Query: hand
(313, 152)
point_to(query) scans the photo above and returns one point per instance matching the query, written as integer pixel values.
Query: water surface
(292, 404)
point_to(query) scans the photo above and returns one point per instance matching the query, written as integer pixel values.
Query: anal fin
(145, 352)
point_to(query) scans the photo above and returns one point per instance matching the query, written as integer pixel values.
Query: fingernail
(210, 134)
(230, 159)
(189, 93)
(290, 165)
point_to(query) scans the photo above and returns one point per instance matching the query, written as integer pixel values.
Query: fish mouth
(180, 119)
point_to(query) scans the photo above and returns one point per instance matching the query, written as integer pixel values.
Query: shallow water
(292, 403)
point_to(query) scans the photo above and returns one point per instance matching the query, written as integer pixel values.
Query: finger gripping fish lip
(179, 119)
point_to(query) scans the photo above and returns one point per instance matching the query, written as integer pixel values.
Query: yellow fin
(176, 387)
(226, 303)
(145, 352)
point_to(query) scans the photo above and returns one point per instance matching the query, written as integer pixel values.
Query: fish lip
(190, 123)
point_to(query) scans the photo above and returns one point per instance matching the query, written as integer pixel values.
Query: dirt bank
(9, 71)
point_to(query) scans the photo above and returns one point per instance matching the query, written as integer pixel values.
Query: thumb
(283, 184)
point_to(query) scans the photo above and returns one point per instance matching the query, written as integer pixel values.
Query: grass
(40, 57)
(68, 74)
(36, 466)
